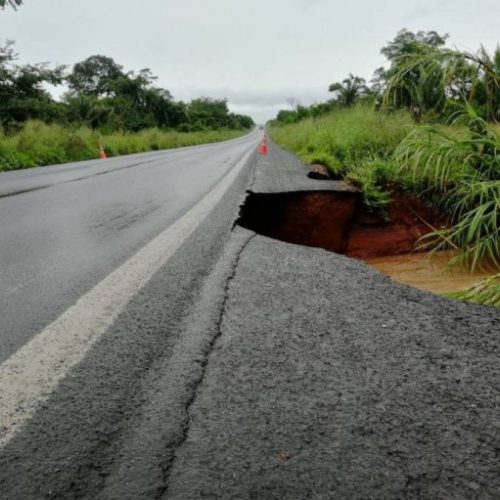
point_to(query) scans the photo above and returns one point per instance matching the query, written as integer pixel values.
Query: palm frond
(486, 292)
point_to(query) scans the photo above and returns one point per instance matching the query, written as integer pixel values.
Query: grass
(345, 136)
(39, 144)
(355, 143)
(486, 292)
(459, 169)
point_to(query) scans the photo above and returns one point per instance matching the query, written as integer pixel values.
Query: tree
(484, 85)
(434, 79)
(208, 113)
(349, 90)
(22, 92)
(405, 43)
(102, 96)
(406, 84)
(12, 3)
(94, 76)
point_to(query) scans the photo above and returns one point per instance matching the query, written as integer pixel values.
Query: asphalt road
(234, 366)
(64, 228)
(102, 265)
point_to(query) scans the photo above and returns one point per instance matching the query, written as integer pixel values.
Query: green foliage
(372, 177)
(350, 90)
(11, 3)
(94, 76)
(104, 97)
(303, 112)
(459, 169)
(438, 81)
(346, 135)
(206, 113)
(434, 158)
(487, 292)
(355, 143)
(407, 85)
(38, 143)
(22, 92)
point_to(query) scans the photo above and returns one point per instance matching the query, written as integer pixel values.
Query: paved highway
(64, 228)
(120, 247)
(152, 350)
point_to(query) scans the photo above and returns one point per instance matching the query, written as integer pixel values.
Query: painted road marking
(31, 374)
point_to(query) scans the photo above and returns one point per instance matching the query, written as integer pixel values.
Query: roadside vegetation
(125, 111)
(355, 143)
(428, 124)
(39, 144)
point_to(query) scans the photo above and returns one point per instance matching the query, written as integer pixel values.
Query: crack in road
(204, 366)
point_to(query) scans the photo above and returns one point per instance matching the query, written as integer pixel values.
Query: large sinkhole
(337, 221)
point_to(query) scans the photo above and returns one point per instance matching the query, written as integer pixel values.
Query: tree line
(101, 95)
(10, 3)
(423, 76)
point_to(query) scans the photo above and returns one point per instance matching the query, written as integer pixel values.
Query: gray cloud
(257, 53)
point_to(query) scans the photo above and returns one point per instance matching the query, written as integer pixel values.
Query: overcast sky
(257, 53)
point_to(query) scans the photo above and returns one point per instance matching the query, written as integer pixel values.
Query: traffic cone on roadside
(102, 153)
(263, 148)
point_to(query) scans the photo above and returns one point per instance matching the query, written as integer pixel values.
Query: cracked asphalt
(252, 368)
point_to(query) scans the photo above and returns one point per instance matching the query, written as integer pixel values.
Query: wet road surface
(240, 367)
(64, 228)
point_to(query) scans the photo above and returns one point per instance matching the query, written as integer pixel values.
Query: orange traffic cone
(263, 148)
(102, 153)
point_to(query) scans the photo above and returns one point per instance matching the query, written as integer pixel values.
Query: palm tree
(434, 78)
(349, 90)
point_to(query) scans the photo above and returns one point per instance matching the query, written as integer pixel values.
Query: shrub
(38, 144)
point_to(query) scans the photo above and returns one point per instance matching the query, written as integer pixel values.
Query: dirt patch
(336, 221)
(408, 220)
(319, 172)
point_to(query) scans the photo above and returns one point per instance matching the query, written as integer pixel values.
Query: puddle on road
(426, 272)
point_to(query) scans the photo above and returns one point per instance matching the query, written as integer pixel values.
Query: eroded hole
(320, 219)
(336, 221)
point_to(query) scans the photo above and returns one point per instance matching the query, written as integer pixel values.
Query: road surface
(64, 228)
(153, 350)
(77, 244)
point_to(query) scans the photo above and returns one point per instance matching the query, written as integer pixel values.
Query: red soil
(334, 221)
(409, 219)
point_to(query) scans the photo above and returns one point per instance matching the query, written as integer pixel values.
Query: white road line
(31, 374)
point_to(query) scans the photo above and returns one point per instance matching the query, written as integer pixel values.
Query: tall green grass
(345, 136)
(459, 169)
(39, 144)
(355, 143)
